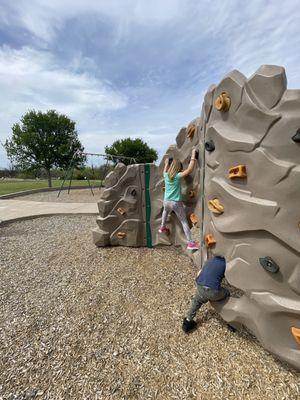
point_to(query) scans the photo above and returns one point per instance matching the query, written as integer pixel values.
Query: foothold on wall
(121, 210)
(223, 102)
(269, 264)
(215, 206)
(296, 334)
(296, 137)
(121, 235)
(194, 218)
(238, 172)
(133, 192)
(209, 146)
(192, 194)
(163, 189)
(191, 131)
(210, 241)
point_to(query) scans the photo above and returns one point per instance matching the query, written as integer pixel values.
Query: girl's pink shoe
(193, 245)
(164, 229)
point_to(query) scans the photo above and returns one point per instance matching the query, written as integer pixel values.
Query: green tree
(135, 148)
(44, 140)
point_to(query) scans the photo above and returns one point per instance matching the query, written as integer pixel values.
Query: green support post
(148, 205)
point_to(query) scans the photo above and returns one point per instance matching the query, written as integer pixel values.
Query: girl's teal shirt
(173, 188)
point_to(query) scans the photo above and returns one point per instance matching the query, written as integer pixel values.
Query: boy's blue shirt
(212, 273)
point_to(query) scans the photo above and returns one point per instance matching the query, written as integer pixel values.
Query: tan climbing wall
(260, 201)
(121, 208)
(128, 227)
(245, 192)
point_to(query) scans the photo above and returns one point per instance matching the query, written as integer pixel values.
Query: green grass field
(8, 186)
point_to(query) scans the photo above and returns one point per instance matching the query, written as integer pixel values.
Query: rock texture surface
(132, 202)
(249, 165)
(261, 210)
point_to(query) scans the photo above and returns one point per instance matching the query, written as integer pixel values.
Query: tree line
(49, 141)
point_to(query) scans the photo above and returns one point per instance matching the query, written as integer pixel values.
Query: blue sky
(136, 68)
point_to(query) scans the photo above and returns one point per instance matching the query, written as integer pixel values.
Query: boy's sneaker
(188, 326)
(164, 229)
(193, 245)
(231, 328)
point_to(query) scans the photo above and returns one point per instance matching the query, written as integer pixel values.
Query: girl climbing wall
(173, 198)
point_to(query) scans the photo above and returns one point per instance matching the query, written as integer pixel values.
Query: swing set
(70, 170)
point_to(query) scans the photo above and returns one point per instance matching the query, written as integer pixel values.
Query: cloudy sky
(134, 68)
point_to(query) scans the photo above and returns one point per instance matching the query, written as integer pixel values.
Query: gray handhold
(296, 137)
(269, 264)
(209, 146)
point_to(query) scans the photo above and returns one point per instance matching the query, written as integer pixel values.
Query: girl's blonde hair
(175, 167)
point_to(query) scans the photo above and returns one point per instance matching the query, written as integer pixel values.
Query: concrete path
(12, 210)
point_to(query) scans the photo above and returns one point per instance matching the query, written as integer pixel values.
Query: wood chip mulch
(78, 322)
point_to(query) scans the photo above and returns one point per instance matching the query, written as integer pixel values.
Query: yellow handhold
(215, 206)
(121, 210)
(296, 334)
(210, 241)
(121, 235)
(223, 102)
(191, 131)
(194, 218)
(239, 171)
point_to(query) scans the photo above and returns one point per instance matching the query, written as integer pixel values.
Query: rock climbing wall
(122, 208)
(131, 205)
(251, 202)
(245, 194)
(186, 140)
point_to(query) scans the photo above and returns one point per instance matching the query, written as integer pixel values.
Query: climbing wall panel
(253, 172)
(134, 220)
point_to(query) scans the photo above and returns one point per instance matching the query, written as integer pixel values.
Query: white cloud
(31, 79)
(197, 42)
(263, 32)
(243, 35)
(44, 18)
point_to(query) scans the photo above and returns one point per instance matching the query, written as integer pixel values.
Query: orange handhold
(192, 194)
(191, 131)
(223, 102)
(193, 218)
(121, 235)
(238, 171)
(215, 206)
(210, 241)
(121, 210)
(296, 334)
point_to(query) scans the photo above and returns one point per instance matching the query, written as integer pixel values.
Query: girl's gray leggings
(178, 208)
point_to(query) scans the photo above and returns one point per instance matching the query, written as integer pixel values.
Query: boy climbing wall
(208, 289)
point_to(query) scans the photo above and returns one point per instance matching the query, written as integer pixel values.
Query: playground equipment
(246, 200)
(72, 166)
(137, 191)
